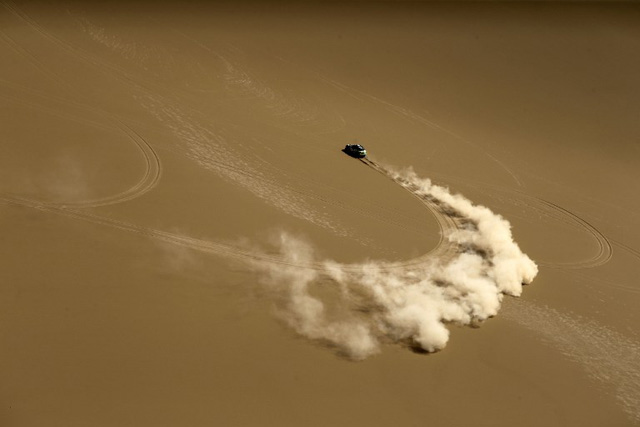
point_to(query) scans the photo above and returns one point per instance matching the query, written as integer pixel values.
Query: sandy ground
(150, 154)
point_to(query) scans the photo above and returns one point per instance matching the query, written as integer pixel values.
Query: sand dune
(184, 243)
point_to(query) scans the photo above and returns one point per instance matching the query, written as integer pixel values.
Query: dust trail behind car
(353, 308)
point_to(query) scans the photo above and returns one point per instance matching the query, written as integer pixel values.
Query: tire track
(446, 222)
(149, 180)
(153, 167)
(634, 252)
(604, 251)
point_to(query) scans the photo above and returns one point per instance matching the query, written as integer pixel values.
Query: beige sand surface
(150, 154)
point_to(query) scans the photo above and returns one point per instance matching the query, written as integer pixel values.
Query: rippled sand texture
(184, 243)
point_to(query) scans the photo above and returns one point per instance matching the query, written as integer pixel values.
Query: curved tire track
(150, 178)
(446, 223)
(604, 251)
(153, 167)
(544, 207)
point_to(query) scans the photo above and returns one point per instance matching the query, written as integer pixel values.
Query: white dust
(356, 307)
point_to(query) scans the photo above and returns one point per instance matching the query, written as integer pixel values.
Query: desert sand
(185, 244)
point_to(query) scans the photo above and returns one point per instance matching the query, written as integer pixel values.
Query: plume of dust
(355, 307)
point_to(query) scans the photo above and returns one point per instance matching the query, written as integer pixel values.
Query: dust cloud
(354, 308)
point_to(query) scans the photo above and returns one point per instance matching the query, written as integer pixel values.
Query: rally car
(355, 150)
